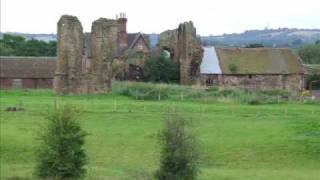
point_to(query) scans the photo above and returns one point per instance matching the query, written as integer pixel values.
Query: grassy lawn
(237, 141)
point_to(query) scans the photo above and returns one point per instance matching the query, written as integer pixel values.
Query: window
(17, 83)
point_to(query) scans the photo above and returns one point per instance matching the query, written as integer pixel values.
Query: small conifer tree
(61, 154)
(179, 154)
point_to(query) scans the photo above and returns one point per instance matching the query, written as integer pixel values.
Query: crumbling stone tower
(185, 48)
(104, 47)
(69, 50)
(70, 76)
(190, 54)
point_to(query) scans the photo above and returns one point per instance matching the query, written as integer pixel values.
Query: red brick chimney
(122, 33)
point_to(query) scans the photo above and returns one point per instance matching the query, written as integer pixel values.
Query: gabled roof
(134, 37)
(258, 61)
(27, 67)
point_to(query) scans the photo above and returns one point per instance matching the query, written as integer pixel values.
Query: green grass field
(237, 141)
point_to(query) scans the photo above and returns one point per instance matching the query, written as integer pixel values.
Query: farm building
(252, 68)
(27, 72)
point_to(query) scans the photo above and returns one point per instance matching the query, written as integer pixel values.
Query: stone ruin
(79, 72)
(73, 76)
(184, 47)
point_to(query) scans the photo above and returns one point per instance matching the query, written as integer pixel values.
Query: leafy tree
(11, 45)
(161, 69)
(179, 154)
(61, 154)
(310, 54)
(255, 45)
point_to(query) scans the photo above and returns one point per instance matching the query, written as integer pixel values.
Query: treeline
(310, 54)
(11, 45)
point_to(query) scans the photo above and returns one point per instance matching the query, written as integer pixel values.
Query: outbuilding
(252, 68)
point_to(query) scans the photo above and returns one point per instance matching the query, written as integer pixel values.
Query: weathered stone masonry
(70, 76)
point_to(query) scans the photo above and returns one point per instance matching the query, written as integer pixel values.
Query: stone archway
(185, 48)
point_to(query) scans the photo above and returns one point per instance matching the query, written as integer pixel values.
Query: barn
(252, 68)
(27, 72)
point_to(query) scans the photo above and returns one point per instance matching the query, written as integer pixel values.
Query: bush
(179, 154)
(61, 154)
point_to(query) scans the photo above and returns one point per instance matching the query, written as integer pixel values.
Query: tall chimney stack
(122, 32)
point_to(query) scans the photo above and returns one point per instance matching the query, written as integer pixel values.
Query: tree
(310, 54)
(159, 68)
(255, 45)
(179, 155)
(11, 45)
(61, 154)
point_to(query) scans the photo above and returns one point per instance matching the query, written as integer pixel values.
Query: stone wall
(103, 49)
(291, 82)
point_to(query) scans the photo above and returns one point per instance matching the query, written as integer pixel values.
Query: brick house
(27, 72)
(252, 68)
(133, 50)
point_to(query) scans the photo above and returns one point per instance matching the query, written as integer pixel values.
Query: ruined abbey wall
(69, 51)
(70, 77)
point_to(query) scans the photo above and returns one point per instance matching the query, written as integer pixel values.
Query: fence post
(136, 94)
(114, 105)
(159, 96)
(129, 108)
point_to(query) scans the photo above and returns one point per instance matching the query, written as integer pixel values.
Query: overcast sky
(154, 16)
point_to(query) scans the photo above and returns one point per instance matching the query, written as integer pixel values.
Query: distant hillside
(282, 37)
(42, 37)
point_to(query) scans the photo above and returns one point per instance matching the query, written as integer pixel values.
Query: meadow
(237, 140)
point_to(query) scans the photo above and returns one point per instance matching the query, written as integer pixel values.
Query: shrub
(61, 154)
(179, 154)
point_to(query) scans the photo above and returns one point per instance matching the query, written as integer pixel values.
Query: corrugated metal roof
(210, 62)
